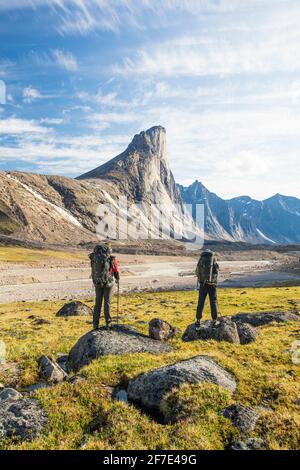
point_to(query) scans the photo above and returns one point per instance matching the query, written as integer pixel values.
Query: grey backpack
(101, 263)
(207, 268)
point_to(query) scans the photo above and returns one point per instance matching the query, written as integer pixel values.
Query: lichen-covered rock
(227, 331)
(246, 332)
(50, 370)
(9, 394)
(207, 330)
(244, 418)
(22, 419)
(250, 444)
(149, 389)
(161, 330)
(117, 340)
(264, 318)
(74, 309)
(62, 361)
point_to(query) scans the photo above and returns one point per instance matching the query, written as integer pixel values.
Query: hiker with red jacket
(105, 273)
(207, 273)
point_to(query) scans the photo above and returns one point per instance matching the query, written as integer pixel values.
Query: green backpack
(207, 268)
(101, 263)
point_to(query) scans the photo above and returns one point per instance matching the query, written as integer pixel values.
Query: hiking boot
(197, 325)
(109, 325)
(96, 328)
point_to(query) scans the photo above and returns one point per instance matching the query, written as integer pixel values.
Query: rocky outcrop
(20, 418)
(244, 418)
(74, 309)
(50, 370)
(264, 318)
(149, 389)
(224, 330)
(161, 330)
(118, 340)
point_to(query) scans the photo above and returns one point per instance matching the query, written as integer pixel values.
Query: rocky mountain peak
(152, 141)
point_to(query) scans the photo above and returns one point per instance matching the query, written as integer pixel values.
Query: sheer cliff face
(142, 171)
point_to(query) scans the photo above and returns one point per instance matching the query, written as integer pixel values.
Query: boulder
(250, 444)
(74, 309)
(264, 318)
(50, 370)
(117, 340)
(149, 389)
(161, 330)
(246, 332)
(224, 330)
(227, 331)
(21, 419)
(244, 418)
(9, 394)
(207, 330)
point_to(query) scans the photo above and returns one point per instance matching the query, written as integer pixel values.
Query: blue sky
(223, 76)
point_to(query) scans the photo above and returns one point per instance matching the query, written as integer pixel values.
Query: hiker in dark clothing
(207, 272)
(105, 273)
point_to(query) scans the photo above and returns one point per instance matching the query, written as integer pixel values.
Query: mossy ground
(84, 415)
(12, 254)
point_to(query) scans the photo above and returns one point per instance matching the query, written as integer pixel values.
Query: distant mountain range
(273, 221)
(61, 210)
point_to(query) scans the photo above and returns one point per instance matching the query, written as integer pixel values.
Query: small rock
(246, 332)
(227, 331)
(2, 386)
(76, 379)
(50, 370)
(41, 321)
(62, 361)
(9, 394)
(249, 444)
(161, 330)
(242, 417)
(21, 419)
(74, 309)
(121, 395)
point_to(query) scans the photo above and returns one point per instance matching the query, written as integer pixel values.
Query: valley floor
(37, 275)
(84, 415)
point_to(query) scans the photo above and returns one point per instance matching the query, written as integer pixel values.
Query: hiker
(207, 273)
(105, 273)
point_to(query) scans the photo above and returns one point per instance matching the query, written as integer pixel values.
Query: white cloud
(31, 94)
(21, 126)
(65, 60)
(56, 58)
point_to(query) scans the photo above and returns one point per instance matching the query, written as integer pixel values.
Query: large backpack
(101, 262)
(207, 268)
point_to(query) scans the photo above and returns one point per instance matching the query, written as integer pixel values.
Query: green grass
(10, 254)
(85, 412)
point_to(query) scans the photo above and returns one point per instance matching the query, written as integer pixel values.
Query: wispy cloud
(21, 126)
(55, 58)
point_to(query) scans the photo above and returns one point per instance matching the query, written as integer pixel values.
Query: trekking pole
(118, 304)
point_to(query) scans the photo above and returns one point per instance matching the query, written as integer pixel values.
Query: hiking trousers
(211, 291)
(102, 293)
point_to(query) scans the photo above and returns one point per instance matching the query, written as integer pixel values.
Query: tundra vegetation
(85, 415)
